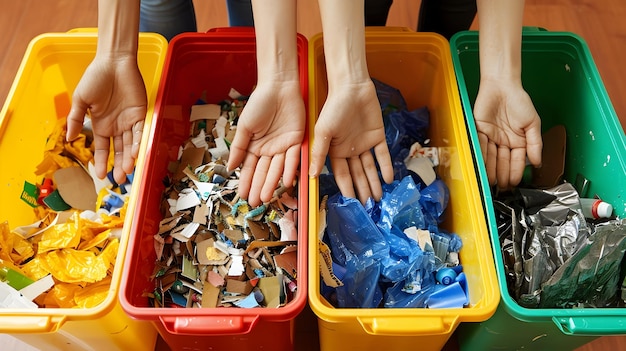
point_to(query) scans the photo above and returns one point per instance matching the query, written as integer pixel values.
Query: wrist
(118, 28)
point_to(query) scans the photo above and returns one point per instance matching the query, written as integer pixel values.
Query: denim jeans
(172, 17)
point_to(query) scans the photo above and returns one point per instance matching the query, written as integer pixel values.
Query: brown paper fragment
(210, 295)
(239, 287)
(192, 157)
(270, 287)
(258, 230)
(287, 261)
(76, 187)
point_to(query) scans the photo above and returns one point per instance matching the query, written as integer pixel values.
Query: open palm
(509, 130)
(113, 92)
(350, 125)
(268, 140)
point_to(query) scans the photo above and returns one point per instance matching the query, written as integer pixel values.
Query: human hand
(114, 93)
(350, 124)
(268, 140)
(509, 129)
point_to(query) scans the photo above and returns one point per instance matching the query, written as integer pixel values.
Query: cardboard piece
(192, 157)
(288, 261)
(76, 187)
(210, 295)
(238, 286)
(206, 111)
(552, 159)
(423, 167)
(200, 214)
(207, 254)
(326, 266)
(215, 279)
(271, 288)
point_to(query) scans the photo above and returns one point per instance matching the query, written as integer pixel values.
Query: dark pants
(171, 17)
(445, 17)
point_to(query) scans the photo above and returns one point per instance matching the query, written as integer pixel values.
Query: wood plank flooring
(599, 23)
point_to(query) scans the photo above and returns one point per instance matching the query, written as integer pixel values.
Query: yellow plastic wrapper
(14, 248)
(75, 266)
(93, 294)
(60, 153)
(60, 236)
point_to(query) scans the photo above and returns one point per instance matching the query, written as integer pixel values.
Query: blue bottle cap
(446, 276)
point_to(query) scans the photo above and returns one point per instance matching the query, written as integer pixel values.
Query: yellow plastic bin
(420, 65)
(41, 93)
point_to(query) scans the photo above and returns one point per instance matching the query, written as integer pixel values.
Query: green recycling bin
(559, 74)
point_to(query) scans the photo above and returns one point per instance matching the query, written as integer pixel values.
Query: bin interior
(198, 66)
(559, 74)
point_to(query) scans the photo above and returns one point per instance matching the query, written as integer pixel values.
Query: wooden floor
(599, 23)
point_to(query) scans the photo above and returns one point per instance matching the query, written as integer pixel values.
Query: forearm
(344, 41)
(118, 28)
(275, 28)
(500, 28)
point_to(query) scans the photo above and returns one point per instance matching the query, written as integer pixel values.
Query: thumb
(238, 148)
(319, 150)
(75, 119)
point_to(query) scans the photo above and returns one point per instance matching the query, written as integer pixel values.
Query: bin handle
(208, 324)
(28, 324)
(400, 325)
(605, 325)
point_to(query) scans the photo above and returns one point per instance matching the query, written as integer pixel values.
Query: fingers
(517, 165)
(137, 132)
(534, 143)
(292, 162)
(491, 161)
(101, 155)
(503, 167)
(259, 174)
(246, 174)
(75, 119)
(384, 162)
(118, 160)
(341, 170)
(371, 175)
(272, 178)
(238, 149)
(319, 149)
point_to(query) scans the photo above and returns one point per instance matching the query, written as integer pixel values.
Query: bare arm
(350, 126)
(508, 125)
(271, 127)
(112, 90)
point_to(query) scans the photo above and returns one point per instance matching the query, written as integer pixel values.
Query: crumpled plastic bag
(375, 256)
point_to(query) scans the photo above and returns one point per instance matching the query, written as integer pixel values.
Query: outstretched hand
(350, 125)
(268, 140)
(509, 130)
(113, 92)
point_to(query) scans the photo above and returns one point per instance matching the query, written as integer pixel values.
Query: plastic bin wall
(420, 65)
(205, 65)
(41, 93)
(560, 76)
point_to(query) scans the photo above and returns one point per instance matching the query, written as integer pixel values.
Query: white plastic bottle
(596, 208)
